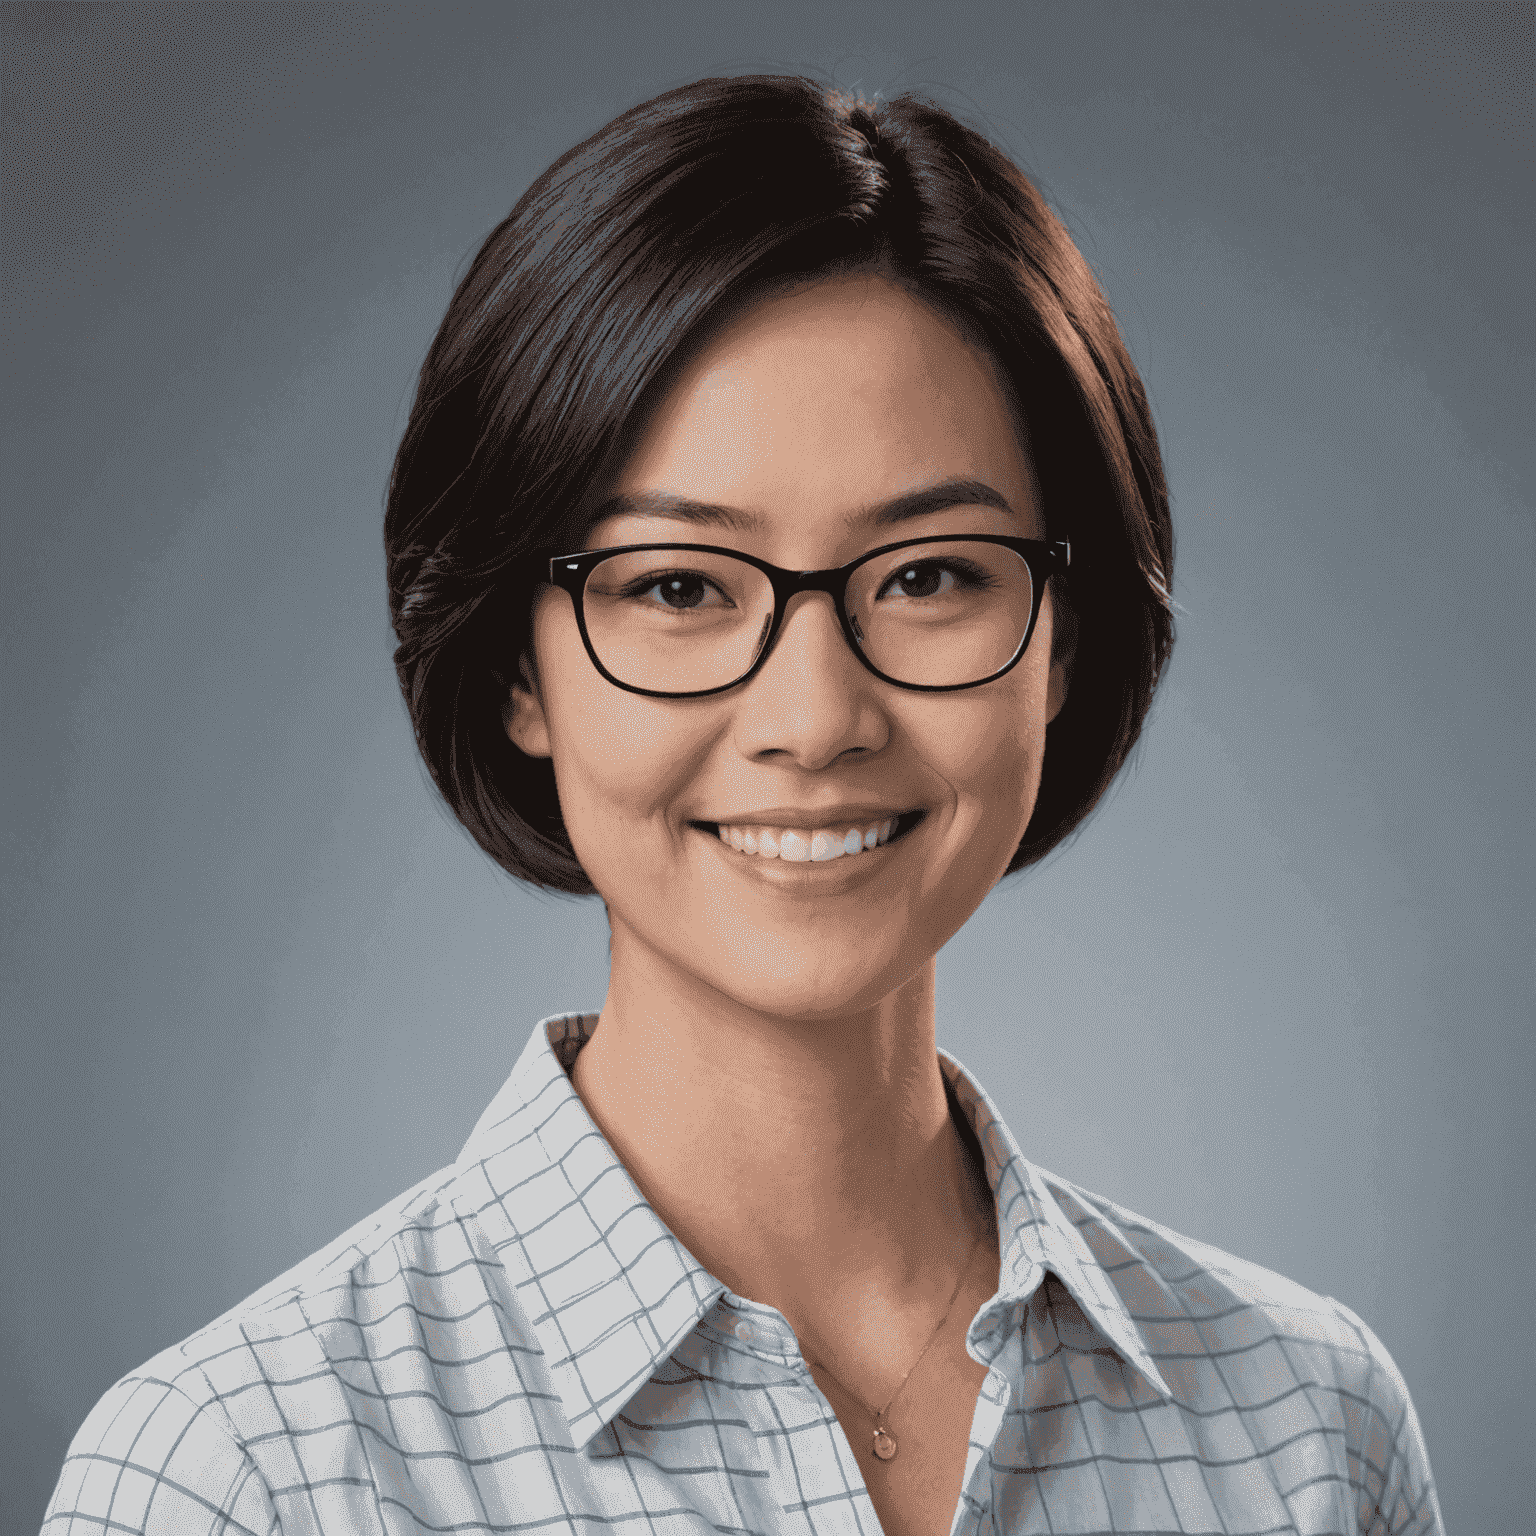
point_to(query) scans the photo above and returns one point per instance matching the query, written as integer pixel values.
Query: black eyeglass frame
(570, 572)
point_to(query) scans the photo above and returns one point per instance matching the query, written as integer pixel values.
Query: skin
(774, 1023)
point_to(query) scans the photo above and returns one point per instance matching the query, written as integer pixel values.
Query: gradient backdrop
(1278, 995)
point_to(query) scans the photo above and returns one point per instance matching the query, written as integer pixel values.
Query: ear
(522, 713)
(1063, 651)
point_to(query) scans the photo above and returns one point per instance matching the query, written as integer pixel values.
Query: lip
(828, 876)
(808, 818)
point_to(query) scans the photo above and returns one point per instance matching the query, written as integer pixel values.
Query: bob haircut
(580, 308)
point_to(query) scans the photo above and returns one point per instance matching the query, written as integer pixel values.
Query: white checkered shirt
(519, 1344)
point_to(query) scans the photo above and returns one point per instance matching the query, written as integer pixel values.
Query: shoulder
(1224, 1329)
(208, 1433)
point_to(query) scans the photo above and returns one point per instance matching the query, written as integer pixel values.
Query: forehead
(835, 396)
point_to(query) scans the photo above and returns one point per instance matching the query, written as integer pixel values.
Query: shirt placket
(814, 1485)
(1001, 1346)
(765, 1334)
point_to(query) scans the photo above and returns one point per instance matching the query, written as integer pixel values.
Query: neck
(810, 1164)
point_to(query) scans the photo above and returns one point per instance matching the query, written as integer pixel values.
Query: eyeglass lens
(941, 614)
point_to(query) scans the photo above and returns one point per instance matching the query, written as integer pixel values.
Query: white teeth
(803, 847)
(795, 847)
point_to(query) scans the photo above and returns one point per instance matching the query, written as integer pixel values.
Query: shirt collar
(611, 1292)
(1035, 1235)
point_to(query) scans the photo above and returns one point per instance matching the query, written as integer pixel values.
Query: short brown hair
(575, 312)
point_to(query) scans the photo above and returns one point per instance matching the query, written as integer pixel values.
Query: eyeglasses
(676, 621)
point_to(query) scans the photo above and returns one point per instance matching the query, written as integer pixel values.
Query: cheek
(991, 743)
(620, 760)
(615, 762)
(1003, 779)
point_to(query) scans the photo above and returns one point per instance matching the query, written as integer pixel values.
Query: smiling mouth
(818, 845)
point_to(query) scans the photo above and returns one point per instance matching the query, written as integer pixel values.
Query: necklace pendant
(885, 1444)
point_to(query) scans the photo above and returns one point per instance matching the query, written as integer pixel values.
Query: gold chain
(884, 1441)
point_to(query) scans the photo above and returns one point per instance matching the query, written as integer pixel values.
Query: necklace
(884, 1440)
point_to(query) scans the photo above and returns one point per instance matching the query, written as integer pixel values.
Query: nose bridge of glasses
(789, 586)
(800, 584)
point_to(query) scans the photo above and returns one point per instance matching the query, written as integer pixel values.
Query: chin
(804, 991)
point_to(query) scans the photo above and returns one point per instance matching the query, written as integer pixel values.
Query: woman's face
(801, 418)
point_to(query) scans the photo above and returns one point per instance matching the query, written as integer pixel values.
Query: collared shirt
(519, 1343)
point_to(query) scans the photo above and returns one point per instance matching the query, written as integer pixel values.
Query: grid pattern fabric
(520, 1344)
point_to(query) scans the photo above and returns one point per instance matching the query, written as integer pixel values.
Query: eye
(681, 591)
(934, 578)
(927, 579)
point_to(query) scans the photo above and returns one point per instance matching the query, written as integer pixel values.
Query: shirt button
(745, 1331)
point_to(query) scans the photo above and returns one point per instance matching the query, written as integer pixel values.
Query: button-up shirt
(519, 1343)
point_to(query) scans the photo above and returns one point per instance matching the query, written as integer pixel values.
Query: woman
(779, 549)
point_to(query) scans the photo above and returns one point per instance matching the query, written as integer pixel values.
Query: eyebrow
(899, 509)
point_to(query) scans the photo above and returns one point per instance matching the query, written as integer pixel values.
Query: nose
(813, 700)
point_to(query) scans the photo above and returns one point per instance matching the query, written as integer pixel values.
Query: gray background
(1278, 994)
